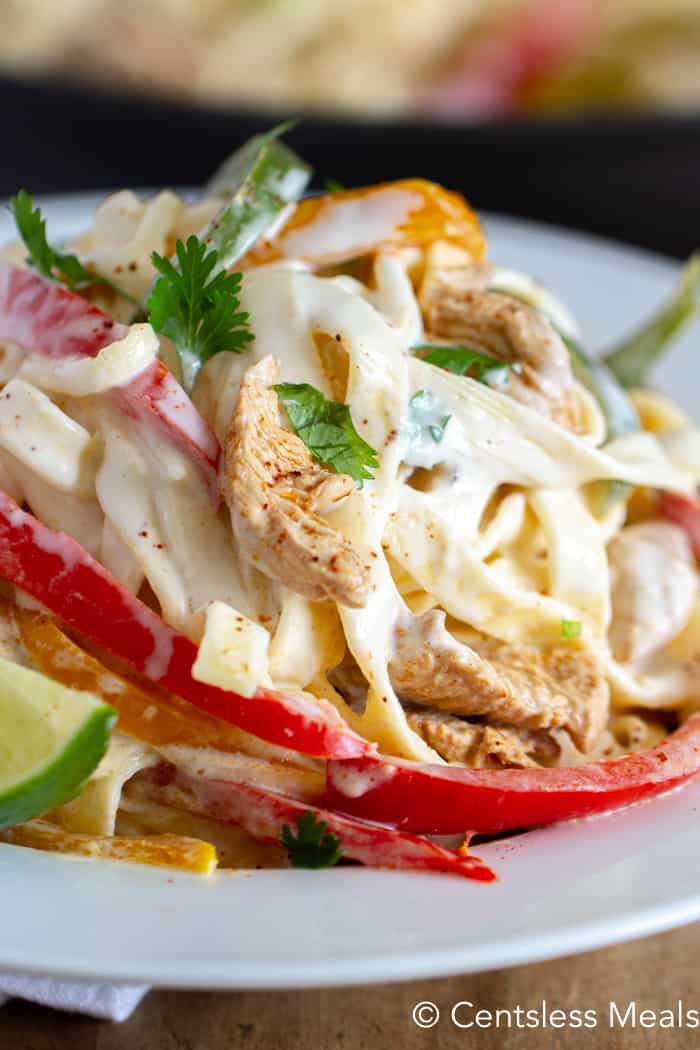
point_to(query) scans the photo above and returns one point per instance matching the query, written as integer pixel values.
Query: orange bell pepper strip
(335, 227)
(157, 718)
(161, 851)
(145, 713)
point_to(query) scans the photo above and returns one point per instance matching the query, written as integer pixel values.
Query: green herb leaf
(465, 360)
(57, 266)
(332, 186)
(633, 359)
(196, 308)
(327, 430)
(571, 628)
(312, 846)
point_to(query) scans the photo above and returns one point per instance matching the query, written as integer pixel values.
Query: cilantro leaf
(197, 309)
(465, 360)
(327, 430)
(332, 186)
(312, 846)
(57, 266)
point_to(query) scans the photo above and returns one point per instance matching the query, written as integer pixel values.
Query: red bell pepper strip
(684, 511)
(263, 813)
(48, 319)
(58, 572)
(443, 800)
(154, 397)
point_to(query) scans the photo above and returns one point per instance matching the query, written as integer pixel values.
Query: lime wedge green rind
(51, 740)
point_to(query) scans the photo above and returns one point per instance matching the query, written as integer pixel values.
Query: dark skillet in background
(636, 179)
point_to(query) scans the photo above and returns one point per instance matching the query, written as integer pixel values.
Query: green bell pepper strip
(618, 411)
(258, 181)
(633, 359)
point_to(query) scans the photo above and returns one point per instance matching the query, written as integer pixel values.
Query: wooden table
(655, 972)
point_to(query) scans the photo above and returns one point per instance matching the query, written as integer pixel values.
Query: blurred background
(581, 112)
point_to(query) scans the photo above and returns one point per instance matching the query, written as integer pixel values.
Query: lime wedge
(51, 739)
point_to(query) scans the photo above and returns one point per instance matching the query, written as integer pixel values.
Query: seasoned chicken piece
(654, 587)
(511, 684)
(476, 745)
(450, 277)
(457, 308)
(275, 491)
(350, 682)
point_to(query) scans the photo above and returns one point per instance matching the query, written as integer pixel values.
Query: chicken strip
(515, 685)
(275, 491)
(476, 745)
(458, 308)
(654, 588)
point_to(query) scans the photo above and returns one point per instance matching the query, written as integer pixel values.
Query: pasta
(497, 611)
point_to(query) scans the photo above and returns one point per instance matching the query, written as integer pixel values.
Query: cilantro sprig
(47, 260)
(197, 308)
(312, 846)
(465, 360)
(327, 430)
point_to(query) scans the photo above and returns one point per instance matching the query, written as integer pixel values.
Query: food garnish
(327, 430)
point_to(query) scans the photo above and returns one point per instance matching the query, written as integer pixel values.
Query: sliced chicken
(450, 276)
(275, 491)
(511, 684)
(476, 745)
(458, 308)
(654, 588)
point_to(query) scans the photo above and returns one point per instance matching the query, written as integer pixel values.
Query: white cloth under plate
(112, 1002)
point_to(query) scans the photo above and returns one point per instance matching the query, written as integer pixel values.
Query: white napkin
(113, 1002)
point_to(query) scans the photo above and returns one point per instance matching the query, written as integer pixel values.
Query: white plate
(561, 890)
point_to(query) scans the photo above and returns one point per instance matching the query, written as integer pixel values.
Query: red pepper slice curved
(263, 813)
(46, 318)
(154, 397)
(683, 511)
(58, 572)
(443, 800)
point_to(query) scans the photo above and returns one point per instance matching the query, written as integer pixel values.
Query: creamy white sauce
(46, 440)
(156, 501)
(343, 226)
